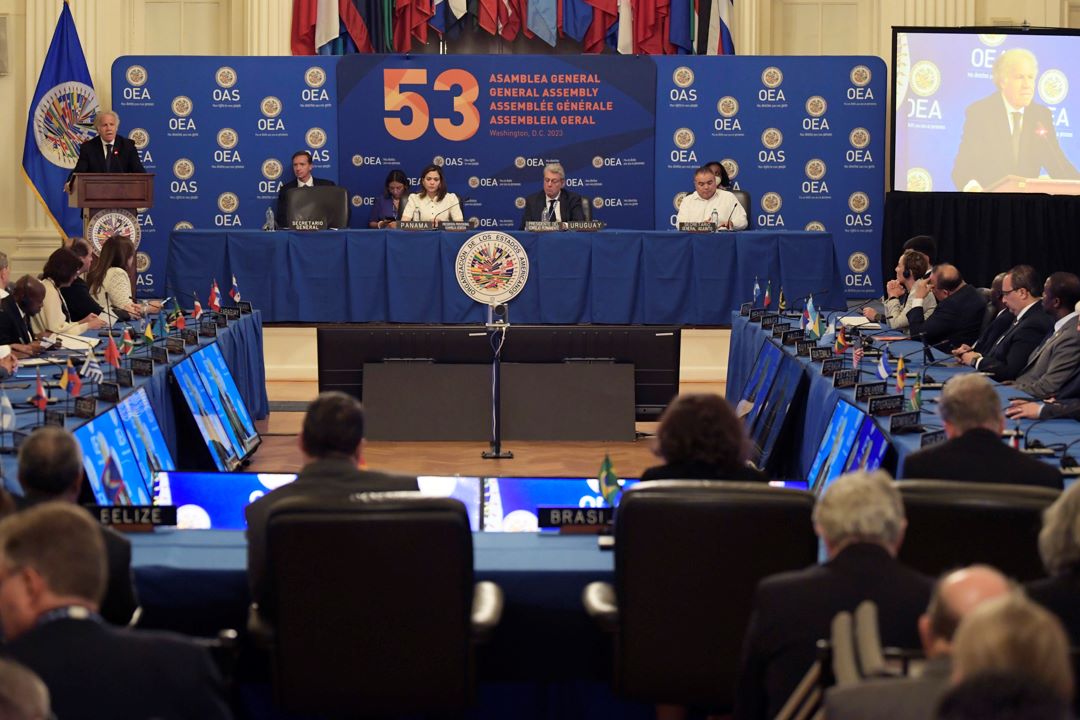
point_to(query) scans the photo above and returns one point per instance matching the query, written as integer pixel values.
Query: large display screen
(220, 441)
(836, 445)
(112, 469)
(770, 420)
(147, 442)
(511, 503)
(222, 388)
(870, 447)
(758, 383)
(982, 110)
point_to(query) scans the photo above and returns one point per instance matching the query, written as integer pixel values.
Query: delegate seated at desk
(709, 204)
(433, 203)
(301, 165)
(16, 309)
(386, 211)
(554, 203)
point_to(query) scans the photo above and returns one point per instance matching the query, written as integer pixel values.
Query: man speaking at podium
(1006, 134)
(553, 203)
(108, 152)
(301, 165)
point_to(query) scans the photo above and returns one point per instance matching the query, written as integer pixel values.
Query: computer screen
(758, 383)
(511, 503)
(836, 444)
(770, 420)
(869, 449)
(222, 389)
(112, 469)
(221, 443)
(147, 442)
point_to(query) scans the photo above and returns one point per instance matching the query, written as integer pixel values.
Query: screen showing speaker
(225, 448)
(836, 445)
(221, 387)
(112, 468)
(147, 442)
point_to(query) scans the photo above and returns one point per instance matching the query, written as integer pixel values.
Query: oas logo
(492, 267)
(925, 78)
(1053, 87)
(598, 162)
(684, 138)
(683, 77)
(438, 160)
(357, 160)
(732, 168)
(227, 202)
(858, 262)
(473, 221)
(519, 162)
(598, 202)
(815, 226)
(140, 137)
(315, 77)
(270, 106)
(771, 202)
(772, 138)
(227, 138)
(272, 168)
(142, 262)
(474, 182)
(225, 77)
(858, 201)
(519, 203)
(315, 137)
(991, 40)
(919, 180)
(859, 138)
(815, 169)
(136, 75)
(182, 106)
(183, 169)
(816, 106)
(677, 200)
(727, 106)
(113, 222)
(860, 76)
(771, 77)
(183, 225)
(63, 121)
(357, 201)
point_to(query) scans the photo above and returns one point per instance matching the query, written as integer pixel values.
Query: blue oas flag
(60, 119)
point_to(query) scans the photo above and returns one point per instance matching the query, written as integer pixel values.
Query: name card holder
(790, 337)
(576, 519)
(55, 418)
(820, 354)
(135, 518)
(542, 226)
(744, 309)
(845, 378)
(159, 355)
(768, 320)
(886, 405)
(831, 366)
(803, 347)
(230, 313)
(905, 422)
(757, 314)
(585, 225)
(222, 320)
(108, 392)
(85, 407)
(124, 377)
(143, 367)
(934, 437)
(245, 307)
(190, 335)
(208, 329)
(697, 227)
(175, 346)
(865, 391)
(454, 226)
(414, 225)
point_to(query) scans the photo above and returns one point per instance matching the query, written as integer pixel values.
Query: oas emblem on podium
(492, 267)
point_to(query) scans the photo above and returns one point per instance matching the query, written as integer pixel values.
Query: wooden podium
(1017, 184)
(108, 202)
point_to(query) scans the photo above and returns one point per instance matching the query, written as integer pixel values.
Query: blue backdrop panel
(493, 121)
(219, 133)
(805, 136)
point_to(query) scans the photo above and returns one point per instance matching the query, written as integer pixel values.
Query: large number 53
(396, 99)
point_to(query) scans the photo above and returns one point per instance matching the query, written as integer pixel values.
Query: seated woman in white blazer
(433, 203)
(60, 270)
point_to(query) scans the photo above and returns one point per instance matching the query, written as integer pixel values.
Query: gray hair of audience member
(969, 401)
(1059, 539)
(50, 462)
(1013, 634)
(861, 507)
(3, 260)
(555, 168)
(62, 543)
(333, 426)
(23, 695)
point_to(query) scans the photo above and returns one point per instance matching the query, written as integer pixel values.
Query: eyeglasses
(1006, 292)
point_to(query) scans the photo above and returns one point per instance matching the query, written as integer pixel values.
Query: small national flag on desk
(883, 365)
(781, 302)
(916, 394)
(91, 370)
(197, 312)
(768, 294)
(40, 399)
(841, 344)
(112, 353)
(215, 297)
(127, 343)
(235, 292)
(857, 356)
(609, 481)
(900, 377)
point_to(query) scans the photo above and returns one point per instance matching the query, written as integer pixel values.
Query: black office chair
(688, 555)
(586, 208)
(322, 207)
(376, 612)
(952, 524)
(744, 199)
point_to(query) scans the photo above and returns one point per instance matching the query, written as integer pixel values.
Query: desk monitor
(870, 447)
(223, 391)
(511, 503)
(769, 421)
(758, 383)
(219, 441)
(112, 470)
(147, 442)
(836, 445)
(323, 207)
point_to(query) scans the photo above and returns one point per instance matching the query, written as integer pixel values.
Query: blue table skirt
(747, 339)
(613, 277)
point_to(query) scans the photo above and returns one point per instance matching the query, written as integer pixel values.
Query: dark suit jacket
(1007, 358)
(120, 600)
(793, 610)
(332, 479)
(994, 329)
(569, 207)
(956, 321)
(94, 670)
(979, 455)
(13, 327)
(92, 157)
(78, 299)
(1060, 595)
(279, 212)
(702, 471)
(1067, 403)
(985, 153)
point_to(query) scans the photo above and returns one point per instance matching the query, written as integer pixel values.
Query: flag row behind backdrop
(803, 135)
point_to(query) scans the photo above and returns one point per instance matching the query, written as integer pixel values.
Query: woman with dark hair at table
(700, 438)
(60, 270)
(387, 209)
(109, 281)
(77, 294)
(433, 203)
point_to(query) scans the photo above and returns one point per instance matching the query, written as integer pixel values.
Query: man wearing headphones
(912, 266)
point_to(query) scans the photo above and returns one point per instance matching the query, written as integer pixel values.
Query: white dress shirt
(695, 209)
(426, 209)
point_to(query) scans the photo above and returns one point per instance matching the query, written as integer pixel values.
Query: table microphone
(435, 218)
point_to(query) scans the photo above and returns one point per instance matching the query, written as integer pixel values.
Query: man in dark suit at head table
(554, 203)
(108, 152)
(302, 164)
(860, 518)
(332, 441)
(959, 314)
(16, 309)
(971, 412)
(52, 565)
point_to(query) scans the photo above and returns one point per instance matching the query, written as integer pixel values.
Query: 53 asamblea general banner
(492, 122)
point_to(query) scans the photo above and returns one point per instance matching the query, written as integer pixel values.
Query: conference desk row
(808, 426)
(241, 344)
(611, 277)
